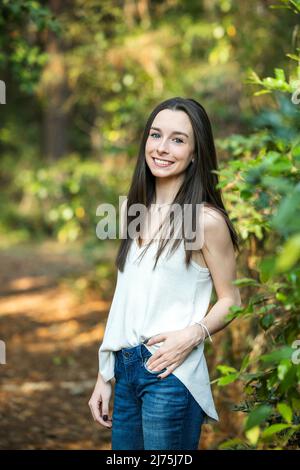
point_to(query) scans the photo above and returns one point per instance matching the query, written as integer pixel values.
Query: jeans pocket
(152, 371)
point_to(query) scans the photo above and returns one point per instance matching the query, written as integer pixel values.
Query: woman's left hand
(177, 346)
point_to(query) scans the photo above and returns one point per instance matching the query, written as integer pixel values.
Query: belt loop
(141, 353)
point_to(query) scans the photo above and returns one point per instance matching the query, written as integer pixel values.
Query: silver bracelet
(203, 329)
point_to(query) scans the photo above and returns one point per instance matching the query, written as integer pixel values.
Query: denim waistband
(133, 353)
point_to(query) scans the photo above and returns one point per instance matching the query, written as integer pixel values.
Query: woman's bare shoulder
(213, 217)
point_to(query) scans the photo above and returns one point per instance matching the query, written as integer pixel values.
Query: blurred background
(81, 77)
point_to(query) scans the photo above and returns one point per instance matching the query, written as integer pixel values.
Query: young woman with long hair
(153, 345)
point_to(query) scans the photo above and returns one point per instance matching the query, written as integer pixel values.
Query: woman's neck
(165, 192)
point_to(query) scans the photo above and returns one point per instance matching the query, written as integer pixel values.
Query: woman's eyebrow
(174, 132)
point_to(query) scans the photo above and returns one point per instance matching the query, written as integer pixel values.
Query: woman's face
(170, 143)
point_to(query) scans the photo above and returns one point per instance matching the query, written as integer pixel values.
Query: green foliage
(263, 177)
(270, 84)
(60, 199)
(21, 21)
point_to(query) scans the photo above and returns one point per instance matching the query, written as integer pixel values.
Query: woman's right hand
(99, 402)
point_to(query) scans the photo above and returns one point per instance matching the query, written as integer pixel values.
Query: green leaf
(226, 369)
(257, 416)
(267, 321)
(283, 368)
(293, 56)
(296, 404)
(279, 74)
(245, 363)
(285, 411)
(254, 77)
(230, 444)
(281, 297)
(246, 281)
(236, 309)
(283, 353)
(227, 379)
(267, 268)
(274, 429)
(289, 255)
(261, 92)
(253, 375)
(289, 379)
(253, 435)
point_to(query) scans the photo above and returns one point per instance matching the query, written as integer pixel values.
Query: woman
(153, 346)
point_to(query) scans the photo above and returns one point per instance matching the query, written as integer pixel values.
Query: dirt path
(52, 336)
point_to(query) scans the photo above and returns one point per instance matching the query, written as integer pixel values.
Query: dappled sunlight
(28, 282)
(55, 303)
(56, 300)
(64, 336)
(52, 333)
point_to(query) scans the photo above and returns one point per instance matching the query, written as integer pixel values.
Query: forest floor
(52, 329)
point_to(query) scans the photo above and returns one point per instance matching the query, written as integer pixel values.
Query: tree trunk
(55, 94)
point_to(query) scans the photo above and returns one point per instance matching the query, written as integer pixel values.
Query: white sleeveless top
(147, 303)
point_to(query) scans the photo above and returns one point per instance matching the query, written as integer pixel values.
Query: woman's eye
(176, 138)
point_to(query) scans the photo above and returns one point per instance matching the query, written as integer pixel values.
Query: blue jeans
(148, 412)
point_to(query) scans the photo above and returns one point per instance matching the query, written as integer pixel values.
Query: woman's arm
(219, 255)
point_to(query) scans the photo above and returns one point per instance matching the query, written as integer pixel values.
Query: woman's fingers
(105, 414)
(94, 407)
(169, 371)
(96, 410)
(157, 364)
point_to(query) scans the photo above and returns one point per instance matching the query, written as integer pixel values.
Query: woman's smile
(162, 163)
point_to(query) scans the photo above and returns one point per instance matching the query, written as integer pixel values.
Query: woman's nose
(162, 146)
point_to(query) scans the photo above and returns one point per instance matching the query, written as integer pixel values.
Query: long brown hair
(199, 185)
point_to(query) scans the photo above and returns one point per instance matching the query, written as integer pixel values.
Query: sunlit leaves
(277, 83)
(267, 182)
(285, 411)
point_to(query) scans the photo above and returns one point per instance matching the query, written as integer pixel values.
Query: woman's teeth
(162, 162)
